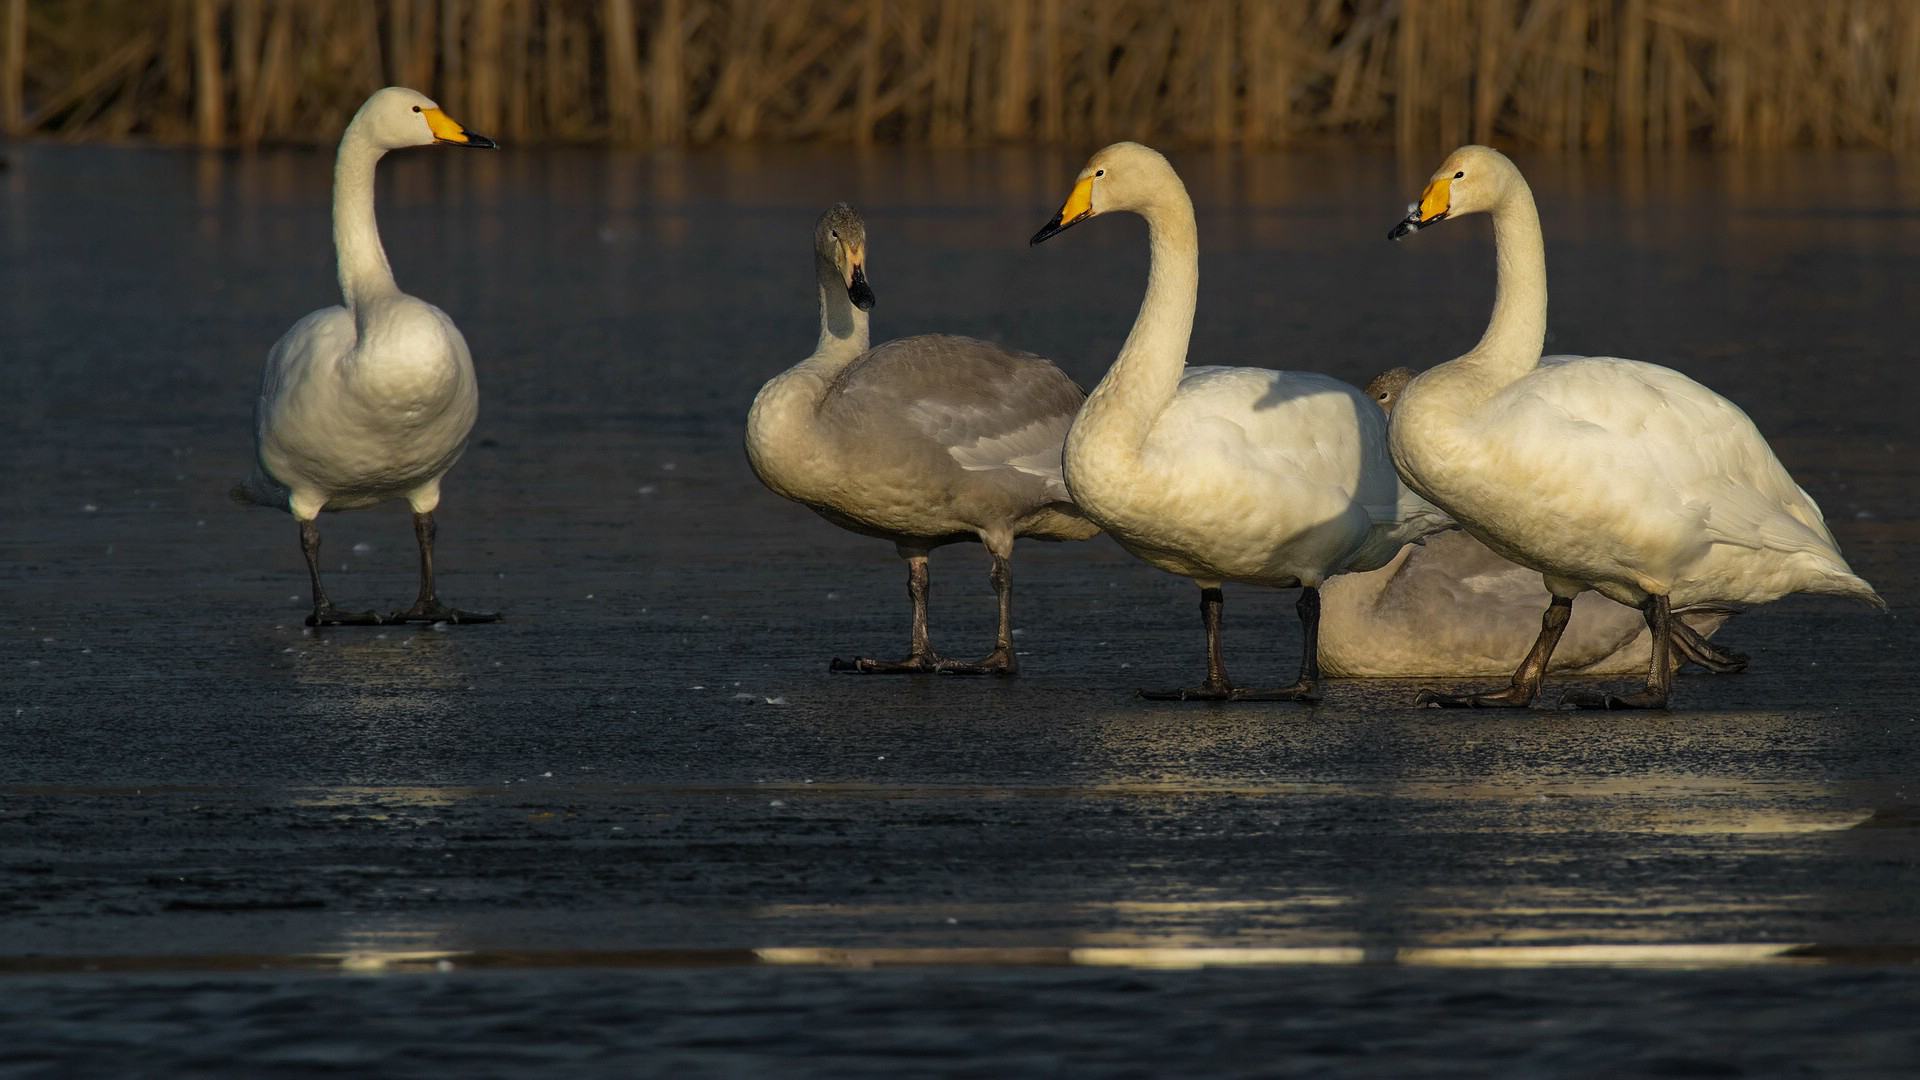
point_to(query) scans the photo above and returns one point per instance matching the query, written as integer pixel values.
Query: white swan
(1601, 473)
(1276, 478)
(371, 401)
(1450, 606)
(923, 441)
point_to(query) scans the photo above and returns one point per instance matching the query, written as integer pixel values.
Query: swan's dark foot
(1691, 646)
(1224, 691)
(917, 664)
(1211, 690)
(1594, 699)
(433, 611)
(1513, 697)
(998, 662)
(1303, 690)
(328, 615)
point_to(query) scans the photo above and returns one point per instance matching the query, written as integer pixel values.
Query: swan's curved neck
(1517, 331)
(843, 327)
(783, 432)
(364, 273)
(1143, 379)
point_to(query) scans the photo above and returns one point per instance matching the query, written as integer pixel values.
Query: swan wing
(310, 347)
(1307, 429)
(986, 407)
(1679, 444)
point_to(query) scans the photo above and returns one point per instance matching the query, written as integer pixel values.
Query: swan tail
(259, 490)
(1854, 588)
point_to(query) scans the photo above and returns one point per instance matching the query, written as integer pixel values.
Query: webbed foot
(999, 662)
(917, 664)
(1512, 697)
(328, 615)
(1596, 699)
(433, 611)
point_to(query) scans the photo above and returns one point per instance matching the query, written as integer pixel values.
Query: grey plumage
(924, 441)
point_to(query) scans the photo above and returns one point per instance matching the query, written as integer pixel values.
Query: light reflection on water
(377, 961)
(419, 660)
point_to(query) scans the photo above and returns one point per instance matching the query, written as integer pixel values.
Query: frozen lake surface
(638, 826)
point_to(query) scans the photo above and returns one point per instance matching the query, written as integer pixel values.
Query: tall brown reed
(1547, 73)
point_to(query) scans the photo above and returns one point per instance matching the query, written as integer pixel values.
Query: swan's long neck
(364, 273)
(1435, 420)
(843, 327)
(1123, 409)
(788, 450)
(1518, 329)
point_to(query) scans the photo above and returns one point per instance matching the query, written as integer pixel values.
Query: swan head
(397, 117)
(840, 241)
(1473, 179)
(1124, 176)
(1386, 386)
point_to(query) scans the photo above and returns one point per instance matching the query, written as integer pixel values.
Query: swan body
(1450, 606)
(924, 441)
(1622, 477)
(1275, 478)
(338, 429)
(370, 400)
(1248, 476)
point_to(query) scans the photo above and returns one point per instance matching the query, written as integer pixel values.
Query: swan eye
(1458, 175)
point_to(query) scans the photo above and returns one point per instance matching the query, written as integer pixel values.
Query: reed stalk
(1565, 74)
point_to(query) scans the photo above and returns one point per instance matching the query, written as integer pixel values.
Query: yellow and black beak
(1079, 208)
(448, 130)
(1431, 209)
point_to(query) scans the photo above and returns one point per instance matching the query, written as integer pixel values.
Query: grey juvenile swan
(924, 441)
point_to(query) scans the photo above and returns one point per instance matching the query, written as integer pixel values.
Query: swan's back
(1714, 515)
(935, 435)
(1257, 475)
(1643, 412)
(1301, 431)
(1290, 425)
(971, 410)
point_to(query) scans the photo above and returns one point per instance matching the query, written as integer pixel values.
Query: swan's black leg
(1217, 687)
(1660, 622)
(427, 608)
(324, 613)
(922, 659)
(1001, 660)
(1525, 686)
(1308, 686)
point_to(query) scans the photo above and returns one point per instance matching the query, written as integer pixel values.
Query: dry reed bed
(1549, 73)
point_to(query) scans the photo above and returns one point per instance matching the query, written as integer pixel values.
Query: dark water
(637, 827)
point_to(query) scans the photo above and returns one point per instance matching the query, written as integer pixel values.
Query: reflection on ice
(373, 961)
